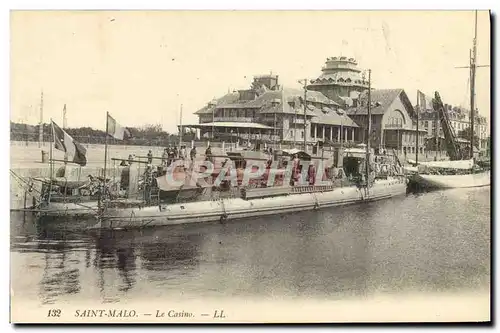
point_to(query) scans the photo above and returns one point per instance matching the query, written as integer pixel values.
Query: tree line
(148, 135)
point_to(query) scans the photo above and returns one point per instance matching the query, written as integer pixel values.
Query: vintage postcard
(250, 166)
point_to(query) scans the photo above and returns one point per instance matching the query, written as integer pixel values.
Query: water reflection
(432, 242)
(58, 278)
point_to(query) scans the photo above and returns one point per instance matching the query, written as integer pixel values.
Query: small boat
(451, 174)
(461, 171)
(60, 198)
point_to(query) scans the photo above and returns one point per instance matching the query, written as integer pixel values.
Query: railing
(234, 119)
(247, 136)
(311, 188)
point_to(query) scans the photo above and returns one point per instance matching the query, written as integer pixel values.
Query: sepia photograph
(239, 166)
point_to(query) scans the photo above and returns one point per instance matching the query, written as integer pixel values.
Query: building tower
(341, 80)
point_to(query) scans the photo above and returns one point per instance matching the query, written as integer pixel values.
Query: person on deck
(150, 157)
(192, 153)
(170, 153)
(208, 154)
(182, 153)
(176, 152)
(295, 169)
(164, 157)
(311, 174)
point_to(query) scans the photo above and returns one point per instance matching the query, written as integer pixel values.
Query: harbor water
(420, 243)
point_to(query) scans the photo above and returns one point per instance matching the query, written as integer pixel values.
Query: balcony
(233, 119)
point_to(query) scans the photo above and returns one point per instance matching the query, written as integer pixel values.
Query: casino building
(333, 107)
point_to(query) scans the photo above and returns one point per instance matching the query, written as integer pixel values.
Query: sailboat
(461, 171)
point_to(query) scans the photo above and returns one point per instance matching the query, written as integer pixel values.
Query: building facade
(269, 112)
(393, 121)
(393, 116)
(460, 123)
(332, 108)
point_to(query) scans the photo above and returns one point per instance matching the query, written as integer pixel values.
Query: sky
(141, 66)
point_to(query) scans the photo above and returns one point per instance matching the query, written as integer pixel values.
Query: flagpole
(106, 148)
(101, 190)
(180, 130)
(50, 159)
(50, 150)
(418, 109)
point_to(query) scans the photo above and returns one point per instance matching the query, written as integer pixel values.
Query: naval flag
(75, 152)
(116, 130)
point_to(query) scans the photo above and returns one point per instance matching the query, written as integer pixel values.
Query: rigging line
(21, 180)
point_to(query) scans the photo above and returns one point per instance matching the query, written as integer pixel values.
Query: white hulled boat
(461, 171)
(464, 175)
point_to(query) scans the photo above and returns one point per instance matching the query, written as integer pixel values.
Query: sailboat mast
(473, 86)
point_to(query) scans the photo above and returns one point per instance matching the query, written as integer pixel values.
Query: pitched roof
(331, 117)
(289, 95)
(384, 97)
(227, 98)
(345, 78)
(265, 101)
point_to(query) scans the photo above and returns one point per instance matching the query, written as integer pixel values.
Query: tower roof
(340, 71)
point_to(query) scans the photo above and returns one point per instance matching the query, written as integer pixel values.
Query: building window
(301, 134)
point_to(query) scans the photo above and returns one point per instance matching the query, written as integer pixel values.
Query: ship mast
(180, 130)
(40, 130)
(369, 106)
(304, 81)
(472, 67)
(473, 86)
